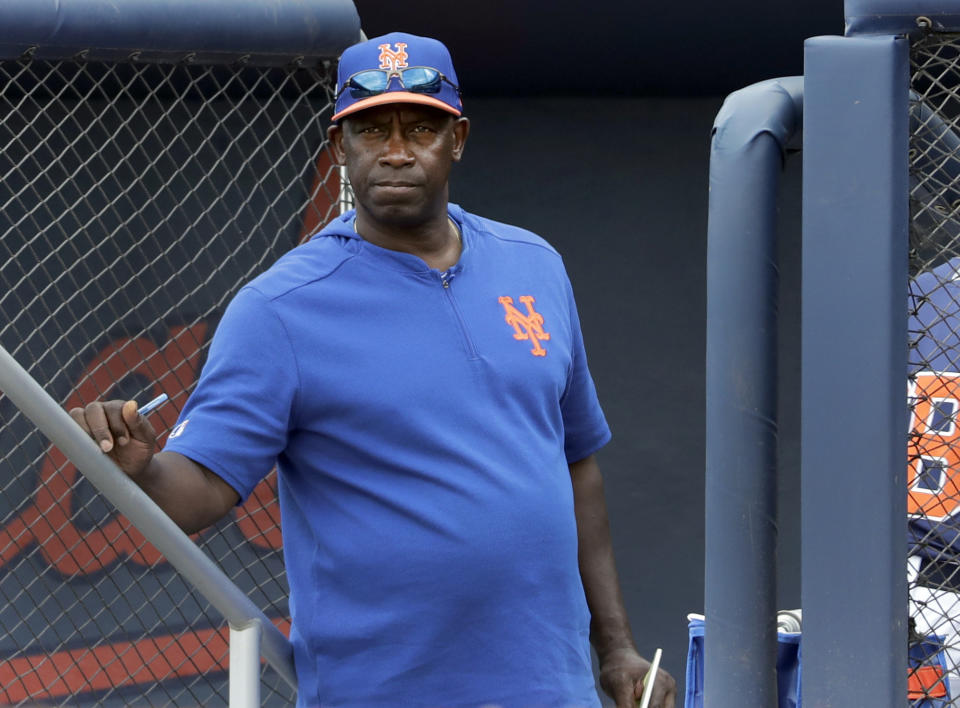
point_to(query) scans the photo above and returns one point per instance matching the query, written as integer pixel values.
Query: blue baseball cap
(396, 68)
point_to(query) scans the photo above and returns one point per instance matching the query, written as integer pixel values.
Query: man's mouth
(395, 190)
(395, 184)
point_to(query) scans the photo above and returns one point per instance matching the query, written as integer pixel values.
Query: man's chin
(398, 213)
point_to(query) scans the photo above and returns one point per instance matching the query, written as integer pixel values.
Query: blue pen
(155, 403)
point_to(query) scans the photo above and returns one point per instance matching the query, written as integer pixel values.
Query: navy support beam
(751, 133)
(109, 29)
(854, 362)
(889, 17)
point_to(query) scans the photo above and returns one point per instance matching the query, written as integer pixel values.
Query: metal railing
(250, 629)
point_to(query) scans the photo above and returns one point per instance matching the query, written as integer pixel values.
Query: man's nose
(396, 152)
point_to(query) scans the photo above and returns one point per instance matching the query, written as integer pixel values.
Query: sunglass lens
(368, 83)
(421, 79)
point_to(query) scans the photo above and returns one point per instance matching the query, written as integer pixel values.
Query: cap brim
(396, 97)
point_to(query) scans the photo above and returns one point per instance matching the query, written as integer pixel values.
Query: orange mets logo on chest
(390, 59)
(527, 326)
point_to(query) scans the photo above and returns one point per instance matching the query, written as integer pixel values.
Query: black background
(621, 48)
(591, 126)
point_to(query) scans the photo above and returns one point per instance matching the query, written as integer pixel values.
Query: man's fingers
(623, 693)
(80, 418)
(129, 413)
(670, 700)
(99, 426)
(137, 424)
(115, 419)
(667, 688)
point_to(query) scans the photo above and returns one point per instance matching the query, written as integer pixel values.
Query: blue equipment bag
(788, 667)
(926, 678)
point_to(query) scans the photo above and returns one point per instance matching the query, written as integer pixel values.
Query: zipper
(446, 277)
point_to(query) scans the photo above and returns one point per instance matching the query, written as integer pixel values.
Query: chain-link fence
(933, 475)
(135, 199)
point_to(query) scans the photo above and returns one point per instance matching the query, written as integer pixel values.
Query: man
(417, 373)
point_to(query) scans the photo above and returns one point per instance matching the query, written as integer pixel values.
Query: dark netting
(135, 199)
(933, 475)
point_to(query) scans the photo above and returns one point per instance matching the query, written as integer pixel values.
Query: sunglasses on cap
(415, 79)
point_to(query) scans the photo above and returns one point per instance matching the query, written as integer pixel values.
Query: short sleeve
(237, 419)
(585, 427)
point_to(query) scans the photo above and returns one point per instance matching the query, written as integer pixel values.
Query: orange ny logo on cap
(393, 60)
(526, 326)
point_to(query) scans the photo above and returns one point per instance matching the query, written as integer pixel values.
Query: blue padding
(854, 355)
(899, 16)
(751, 135)
(309, 28)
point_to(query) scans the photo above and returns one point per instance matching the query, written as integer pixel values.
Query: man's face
(398, 159)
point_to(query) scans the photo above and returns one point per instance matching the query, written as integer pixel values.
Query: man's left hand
(621, 676)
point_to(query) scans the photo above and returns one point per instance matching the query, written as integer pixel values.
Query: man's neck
(437, 241)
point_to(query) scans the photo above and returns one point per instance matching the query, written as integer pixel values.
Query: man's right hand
(189, 493)
(123, 434)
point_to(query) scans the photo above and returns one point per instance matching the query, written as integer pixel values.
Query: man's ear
(335, 137)
(461, 129)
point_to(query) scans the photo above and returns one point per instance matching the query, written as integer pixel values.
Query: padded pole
(289, 28)
(751, 133)
(854, 363)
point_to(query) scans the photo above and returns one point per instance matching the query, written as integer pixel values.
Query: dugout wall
(154, 156)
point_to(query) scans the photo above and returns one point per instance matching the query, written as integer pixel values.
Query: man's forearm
(190, 494)
(609, 627)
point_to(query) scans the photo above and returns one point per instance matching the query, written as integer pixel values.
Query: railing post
(245, 665)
